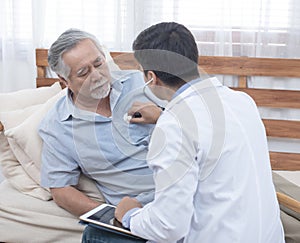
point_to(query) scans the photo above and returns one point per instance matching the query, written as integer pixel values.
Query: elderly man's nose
(95, 74)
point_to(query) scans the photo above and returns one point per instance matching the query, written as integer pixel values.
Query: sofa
(27, 210)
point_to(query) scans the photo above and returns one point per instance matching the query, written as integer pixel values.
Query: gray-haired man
(85, 131)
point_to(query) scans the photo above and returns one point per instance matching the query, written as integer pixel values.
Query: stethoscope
(150, 96)
(148, 93)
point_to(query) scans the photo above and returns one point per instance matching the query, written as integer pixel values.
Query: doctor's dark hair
(169, 50)
(65, 42)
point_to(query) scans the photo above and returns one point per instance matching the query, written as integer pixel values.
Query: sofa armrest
(288, 202)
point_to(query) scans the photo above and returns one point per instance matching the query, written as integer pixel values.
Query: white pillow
(11, 168)
(25, 142)
(27, 146)
(17, 176)
(11, 115)
(11, 119)
(9, 161)
(27, 97)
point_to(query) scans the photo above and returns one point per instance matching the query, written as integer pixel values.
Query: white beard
(100, 91)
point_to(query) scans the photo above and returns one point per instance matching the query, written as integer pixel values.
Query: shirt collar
(74, 111)
(185, 86)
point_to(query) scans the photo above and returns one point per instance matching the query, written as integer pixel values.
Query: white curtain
(259, 28)
(262, 28)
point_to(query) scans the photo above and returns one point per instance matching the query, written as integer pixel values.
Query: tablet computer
(103, 217)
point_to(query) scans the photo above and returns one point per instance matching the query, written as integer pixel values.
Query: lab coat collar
(193, 87)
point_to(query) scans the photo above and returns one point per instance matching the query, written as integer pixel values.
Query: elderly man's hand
(125, 205)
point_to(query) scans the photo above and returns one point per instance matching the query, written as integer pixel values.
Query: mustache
(99, 83)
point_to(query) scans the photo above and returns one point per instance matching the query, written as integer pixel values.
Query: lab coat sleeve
(172, 157)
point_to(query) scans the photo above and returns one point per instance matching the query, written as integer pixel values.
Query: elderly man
(85, 132)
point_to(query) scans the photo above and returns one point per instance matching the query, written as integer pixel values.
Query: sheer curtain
(260, 28)
(263, 28)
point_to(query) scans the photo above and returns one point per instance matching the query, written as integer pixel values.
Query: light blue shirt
(106, 149)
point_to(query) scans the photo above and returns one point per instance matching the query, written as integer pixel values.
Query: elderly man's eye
(82, 74)
(98, 62)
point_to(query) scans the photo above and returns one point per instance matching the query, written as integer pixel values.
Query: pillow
(291, 228)
(27, 147)
(11, 168)
(29, 155)
(11, 119)
(18, 100)
(286, 187)
(27, 97)
(17, 176)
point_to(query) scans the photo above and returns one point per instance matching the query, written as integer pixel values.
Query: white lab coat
(212, 172)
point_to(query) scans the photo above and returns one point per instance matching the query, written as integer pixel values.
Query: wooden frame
(242, 67)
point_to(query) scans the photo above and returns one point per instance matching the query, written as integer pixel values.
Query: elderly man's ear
(63, 80)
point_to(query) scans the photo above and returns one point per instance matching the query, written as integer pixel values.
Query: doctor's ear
(151, 76)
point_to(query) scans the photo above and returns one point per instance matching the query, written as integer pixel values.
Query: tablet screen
(106, 215)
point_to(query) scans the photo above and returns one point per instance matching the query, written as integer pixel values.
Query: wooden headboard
(243, 67)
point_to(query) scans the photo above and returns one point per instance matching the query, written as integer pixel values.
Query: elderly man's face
(89, 76)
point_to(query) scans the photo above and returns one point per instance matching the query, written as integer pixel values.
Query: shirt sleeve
(172, 157)
(145, 197)
(127, 216)
(59, 169)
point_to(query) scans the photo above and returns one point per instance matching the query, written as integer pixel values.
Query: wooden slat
(274, 98)
(41, 72)
(285, 161)
(282, 128)
(41, 57)
(240, 66)
(243, 82)
(250, 66)
(125, 60)
(40, 82)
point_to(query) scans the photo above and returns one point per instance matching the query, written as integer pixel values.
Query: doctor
(208, 153)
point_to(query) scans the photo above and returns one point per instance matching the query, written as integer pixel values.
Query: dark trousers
(97, 235)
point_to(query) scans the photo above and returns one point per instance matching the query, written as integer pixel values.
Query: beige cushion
(27, 219)
(286, 187)
(25, 141)
(291, 227)
(10, 117)
(27, 145)
(27, 97)
(10, 120)
(290, 219)
(17, 176)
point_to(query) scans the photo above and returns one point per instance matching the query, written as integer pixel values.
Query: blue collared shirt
(186, 86)
(107, 149)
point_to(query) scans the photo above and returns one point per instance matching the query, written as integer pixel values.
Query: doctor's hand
(125, 205)
(145, 113)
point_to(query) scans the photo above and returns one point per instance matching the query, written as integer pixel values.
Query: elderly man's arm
(73, 200)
